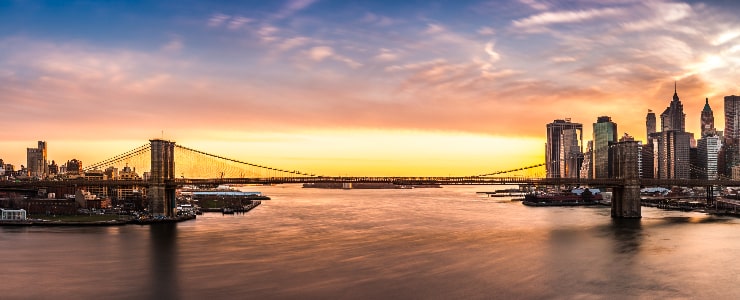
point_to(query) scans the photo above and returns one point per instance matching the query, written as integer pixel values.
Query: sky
(362, 88)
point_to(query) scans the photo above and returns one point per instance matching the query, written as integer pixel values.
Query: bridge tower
(626, 166)
(162, 175)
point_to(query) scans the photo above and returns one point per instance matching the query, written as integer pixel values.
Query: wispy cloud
(217, 20)
(538, 5)
(371, 18)
(321, 53)
(386, 55)
(174, 45)
(238, 22)
(292, 7)
(659, 14)
(548, 18)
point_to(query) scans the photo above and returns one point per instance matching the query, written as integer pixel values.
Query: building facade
(36, 160)
(707, 120)
(650, 123)
(708, 156)
(672, 145)
(732, 117)
(730, 153)
(605, 134)
(564, 149)
(673, 118)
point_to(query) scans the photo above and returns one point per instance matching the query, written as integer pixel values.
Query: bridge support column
(626, 198)
(710, 196)
(161, 184)
(626, 202)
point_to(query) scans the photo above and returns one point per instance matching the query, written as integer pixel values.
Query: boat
(562, 199)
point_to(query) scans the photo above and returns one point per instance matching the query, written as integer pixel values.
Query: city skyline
(353, 89)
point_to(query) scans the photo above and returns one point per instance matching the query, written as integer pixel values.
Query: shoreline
(44, 223)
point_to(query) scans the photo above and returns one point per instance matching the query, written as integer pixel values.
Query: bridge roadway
(394, 180)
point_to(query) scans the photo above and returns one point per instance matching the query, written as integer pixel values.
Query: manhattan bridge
(165, 160)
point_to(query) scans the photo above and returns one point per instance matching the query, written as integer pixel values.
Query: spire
(675, 89)
(706, 106)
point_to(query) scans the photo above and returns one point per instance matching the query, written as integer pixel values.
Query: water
(444, 243)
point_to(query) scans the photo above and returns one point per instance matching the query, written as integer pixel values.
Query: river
(446, 243)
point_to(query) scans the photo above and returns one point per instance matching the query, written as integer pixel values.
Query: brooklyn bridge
(165, 159)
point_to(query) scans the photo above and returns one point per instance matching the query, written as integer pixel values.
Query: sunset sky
(353, 87)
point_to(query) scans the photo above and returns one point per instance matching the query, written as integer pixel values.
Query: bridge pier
(161, 184)
(626, 198)
(626, 202)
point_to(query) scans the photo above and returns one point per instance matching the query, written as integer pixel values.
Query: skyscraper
(36, 160)
(707, 120)
(649, 163)
(673, 117)
(674, 155)
(671, 153)
(605, 134)
(708, 147)
(564, 149)
(586, 171)
(732, 117)
(730, 152)
(650, 123)
(708, 154)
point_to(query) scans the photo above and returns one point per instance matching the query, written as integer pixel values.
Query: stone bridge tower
(626, 166)
(162, 176)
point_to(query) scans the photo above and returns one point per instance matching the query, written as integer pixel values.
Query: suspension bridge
(164, 159)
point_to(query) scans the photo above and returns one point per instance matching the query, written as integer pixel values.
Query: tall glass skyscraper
(605, 134)
(564, 149)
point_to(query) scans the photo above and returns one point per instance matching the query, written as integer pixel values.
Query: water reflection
(164, 281)
(628, 235)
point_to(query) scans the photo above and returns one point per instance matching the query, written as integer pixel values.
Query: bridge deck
(392, 180)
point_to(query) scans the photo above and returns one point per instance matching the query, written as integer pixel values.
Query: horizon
(368, 88)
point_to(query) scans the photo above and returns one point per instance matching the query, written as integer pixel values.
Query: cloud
(174, 45)
(386, 55)
(486, 31)
(292, 7)
(267, 33)
(548, 18)
(371, 18)
(493, 55)
(434, 29)
(414, 66)
(562, 59)
(658, 14)
(725, 37)
(535, 4)
(238, 22)
(217, 20)
(293, 42)
(320, 53)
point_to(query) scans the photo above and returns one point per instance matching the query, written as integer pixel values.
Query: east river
(446, 243)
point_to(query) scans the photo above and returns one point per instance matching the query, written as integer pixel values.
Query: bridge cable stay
(124, 157)
(511, 171)
(221, 169)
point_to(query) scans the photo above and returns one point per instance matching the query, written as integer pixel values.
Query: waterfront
(444, 243)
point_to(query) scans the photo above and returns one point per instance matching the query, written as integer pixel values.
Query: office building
(605, 134)
(650, 123)
(708, 150)
(564, 149)
(673, 117)
(707, 120)
(36, 160)
(672, 145)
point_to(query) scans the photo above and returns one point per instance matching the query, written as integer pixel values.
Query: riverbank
(41, 222)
